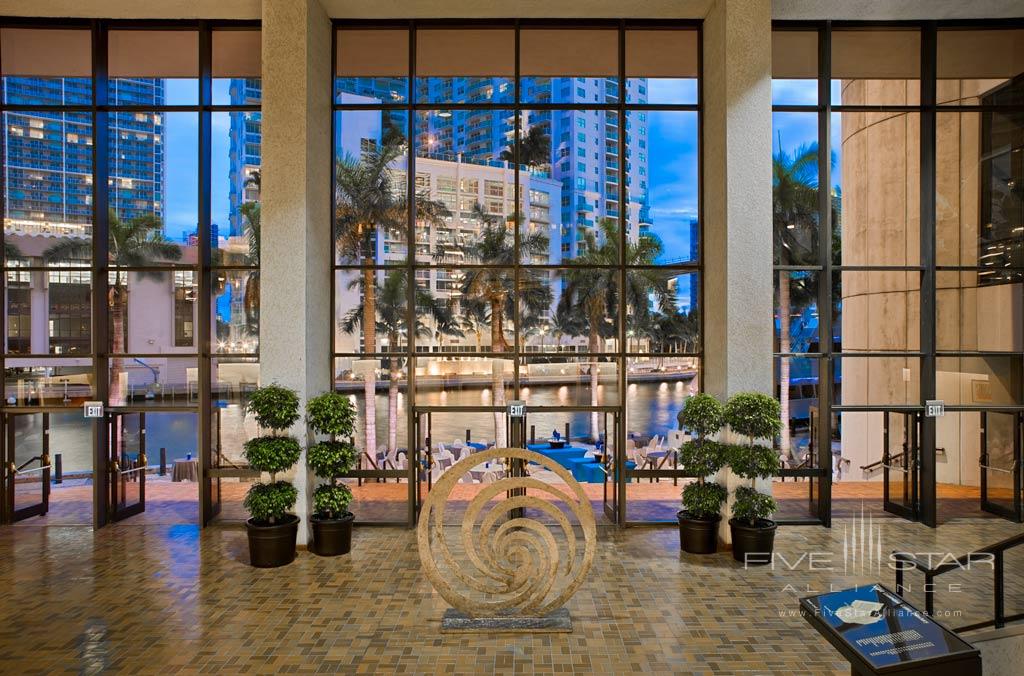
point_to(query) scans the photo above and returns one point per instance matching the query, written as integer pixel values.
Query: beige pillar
(296, 240)
(738, 287)
(737, 197)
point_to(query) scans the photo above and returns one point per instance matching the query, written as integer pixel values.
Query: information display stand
(880, 633)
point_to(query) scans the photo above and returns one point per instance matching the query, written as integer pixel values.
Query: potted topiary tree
(272, 530)
(754, 416)
(702, 457)
(333, 415)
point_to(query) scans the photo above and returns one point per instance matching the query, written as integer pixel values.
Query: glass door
(1000, 464)
(126, 462)
(900, 463)
(27, 465)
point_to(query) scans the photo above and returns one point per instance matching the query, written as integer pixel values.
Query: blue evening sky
(181, 147)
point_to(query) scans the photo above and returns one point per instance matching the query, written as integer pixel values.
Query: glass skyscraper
(48, 156)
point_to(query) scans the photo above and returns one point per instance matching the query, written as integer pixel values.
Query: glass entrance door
(26, 465)
(1000, 463)
(900, 463)
(583, 441)
(580, 440)
(126, 462)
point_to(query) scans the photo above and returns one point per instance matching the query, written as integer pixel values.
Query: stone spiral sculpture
(514, 563)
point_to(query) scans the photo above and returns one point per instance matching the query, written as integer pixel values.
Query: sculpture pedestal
(457, 622)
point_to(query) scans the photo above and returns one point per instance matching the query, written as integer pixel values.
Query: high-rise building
(244, 152)
(584, 144)
(48, 156)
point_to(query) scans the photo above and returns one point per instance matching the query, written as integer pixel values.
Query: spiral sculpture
(513, 563)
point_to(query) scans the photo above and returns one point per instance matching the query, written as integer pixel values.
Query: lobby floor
(171, 503)
(173, 599)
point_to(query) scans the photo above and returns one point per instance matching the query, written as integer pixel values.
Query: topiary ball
(272, 454)
(274, 407)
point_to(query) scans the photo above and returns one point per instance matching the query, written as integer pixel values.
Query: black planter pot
(698, 536)
(332, 537)
(272, 545)
(753, 545)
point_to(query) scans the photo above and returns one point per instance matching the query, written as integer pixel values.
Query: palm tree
(594, 293)
(365, 204)
(391, 299)
(534, 148)
(794, 220)
(495, 288)
(566, 323)
(136, 243)
(475, 315)
(251, 214)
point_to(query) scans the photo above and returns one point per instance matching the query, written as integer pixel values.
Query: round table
(185, 469)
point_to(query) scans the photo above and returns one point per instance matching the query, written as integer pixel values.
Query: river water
(651, 408)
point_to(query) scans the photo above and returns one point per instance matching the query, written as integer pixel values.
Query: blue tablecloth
(579, 469)
(477, 445)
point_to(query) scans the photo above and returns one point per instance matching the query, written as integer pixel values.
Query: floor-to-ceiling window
(516, 217)
(897, 220)
(131, 173)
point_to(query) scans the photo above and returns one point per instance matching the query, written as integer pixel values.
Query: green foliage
(331, 413)
(751, 506)
(272, 454)
(753, 415)
(275, 407)
(702, 414)
(704, 500)
(329, 459)
(753, 462)
(268, 503)
(702, 458)
(331, 501)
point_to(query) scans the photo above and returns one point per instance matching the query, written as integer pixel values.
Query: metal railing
(993, 554)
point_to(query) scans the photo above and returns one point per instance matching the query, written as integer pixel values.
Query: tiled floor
(172, 599)
(169, 503)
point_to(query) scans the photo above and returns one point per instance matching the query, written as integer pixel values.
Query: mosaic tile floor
(172, 599)
(170, 503)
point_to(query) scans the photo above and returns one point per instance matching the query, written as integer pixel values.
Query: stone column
(738, 287)
(296, 238)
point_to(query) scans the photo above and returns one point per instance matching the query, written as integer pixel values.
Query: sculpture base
(557, 622)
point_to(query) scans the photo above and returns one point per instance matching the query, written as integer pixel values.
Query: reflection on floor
(174, 599)
(169, 503)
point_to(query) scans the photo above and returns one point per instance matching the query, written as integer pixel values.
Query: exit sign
(516, 409)
(934, 408)
(93, 409)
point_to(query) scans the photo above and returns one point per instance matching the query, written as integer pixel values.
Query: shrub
(332, 414)
(331, 500)
(753, 415)
(702, 458)
(704, 500)
(751, 506)
(274, 407)
(269, 503)
(754, 461)
(272, 454)
(702, 414)
(329, 459)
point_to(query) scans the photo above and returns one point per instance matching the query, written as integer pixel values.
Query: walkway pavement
(172, 599)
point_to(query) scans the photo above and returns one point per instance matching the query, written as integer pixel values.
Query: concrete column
(738, 287)
(296, 238)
